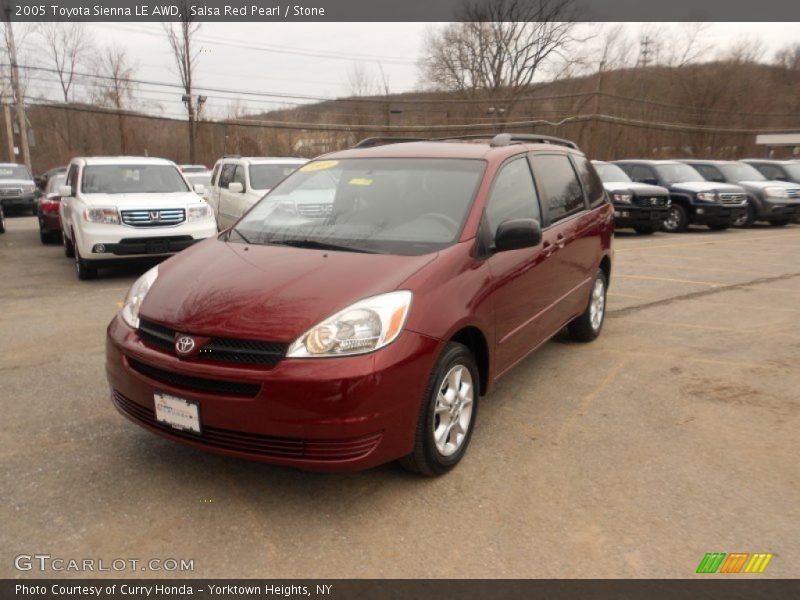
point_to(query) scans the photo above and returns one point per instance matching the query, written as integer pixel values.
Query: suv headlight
(362, 327)
(136, 295)
(102, 215)
(707, 196)
(28, 189)
(623, 197)
(198, 212)
(776, 192)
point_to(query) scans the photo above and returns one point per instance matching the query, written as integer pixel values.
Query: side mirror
(199, 188)
(517, 233)
(65, 191)
(53, 197)
(235, 187)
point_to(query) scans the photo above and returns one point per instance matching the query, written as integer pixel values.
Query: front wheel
(588, 326)
(448, 412)
(69, 248)
(748, 218)
(83, 269)
(677, 220)
(2, 221)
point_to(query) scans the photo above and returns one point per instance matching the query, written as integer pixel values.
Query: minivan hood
(269, 293)
(6, 183)
(706, 186)
(640, 189)
(177, 200)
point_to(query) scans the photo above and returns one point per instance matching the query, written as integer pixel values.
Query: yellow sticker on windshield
(360, 181)
(319, 165)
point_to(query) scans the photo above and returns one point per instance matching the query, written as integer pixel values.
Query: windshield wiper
(318, 245)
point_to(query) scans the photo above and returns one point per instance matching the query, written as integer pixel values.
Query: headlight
(28, 189)
(776, 192)
(624, 198)
(199, 212)
(707, 196)
(135, 297)
(102, 215)
(362, 327)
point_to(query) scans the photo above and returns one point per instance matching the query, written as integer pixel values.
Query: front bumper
(330, 414)
(108, 243)
(776, 210)
(629, 215)
(23, 201)
(717, 214)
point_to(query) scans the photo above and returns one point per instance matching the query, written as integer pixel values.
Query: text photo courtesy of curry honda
(350, 299)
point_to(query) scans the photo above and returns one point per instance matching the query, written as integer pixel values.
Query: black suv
(640, 206)
(777, 202)
(694, 200)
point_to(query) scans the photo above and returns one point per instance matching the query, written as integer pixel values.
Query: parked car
(776, 202)
(369, 336)
(41, 180)
(48, 209)
(237, 183)
(201, 178)
(17, 189)
(193, 169)
(128, 208)
(693, 200)
(640, 206)
(776, 170)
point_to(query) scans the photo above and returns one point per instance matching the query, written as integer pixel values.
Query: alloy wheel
(672, 222)
(452, 416)
(597, 304)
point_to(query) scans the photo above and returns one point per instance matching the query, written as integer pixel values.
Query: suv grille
(650, 200)
(314, 210)
(793, 193)
(10, 191)
(253, 352)
(156, 217)
(732, 198)
(196, 384)
(254, 443)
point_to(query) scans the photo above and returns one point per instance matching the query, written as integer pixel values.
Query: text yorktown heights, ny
(183, 590)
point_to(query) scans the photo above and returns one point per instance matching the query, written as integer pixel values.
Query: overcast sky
(311, 59)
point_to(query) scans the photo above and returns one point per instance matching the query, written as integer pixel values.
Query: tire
(44, 237)
(779, 223)
(2, 221)
(589, 325)
(718, 227)
(748, 219)
(644, 230)
(429, 457)
(69, 248)
(677, 220)
(83, 269)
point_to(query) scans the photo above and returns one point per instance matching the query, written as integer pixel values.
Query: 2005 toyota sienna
(357, 313)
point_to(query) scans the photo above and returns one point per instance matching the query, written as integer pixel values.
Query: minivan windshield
(609, 173)
(132, 179)
(265, 177)
(678, 173)
(14, 172)
(741, 172)
(386, 205)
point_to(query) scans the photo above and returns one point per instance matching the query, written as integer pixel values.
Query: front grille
(793, 193)
(732, 198)
(252, 443)
(196, 384)
(156, 217)
(314, 210)
(11, 191)
(252, 352)
(650, 200)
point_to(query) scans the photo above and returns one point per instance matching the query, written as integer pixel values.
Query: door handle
(561, 241)
(549, 248)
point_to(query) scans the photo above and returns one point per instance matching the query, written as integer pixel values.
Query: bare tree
(789, 57)
(499, 47)
(117, 87)
(180, 36)
(68, 47)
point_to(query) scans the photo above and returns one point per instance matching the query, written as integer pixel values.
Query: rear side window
(641, 173)
(227, 175)
(591, 182)
(770, 171)
(513, 195)
(561, 192)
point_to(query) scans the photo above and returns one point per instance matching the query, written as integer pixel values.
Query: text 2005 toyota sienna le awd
(358, 312)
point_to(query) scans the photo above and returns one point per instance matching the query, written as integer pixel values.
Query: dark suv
(777, 202)
(694, 200)
(640, 206)
(776, 170)
(368, 332)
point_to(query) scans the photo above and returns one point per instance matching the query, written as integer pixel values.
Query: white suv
(239, 182)
(128, 208)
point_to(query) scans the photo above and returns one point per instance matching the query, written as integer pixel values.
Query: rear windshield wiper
(318, 245)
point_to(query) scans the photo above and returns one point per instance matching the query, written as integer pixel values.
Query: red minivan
(356, 314)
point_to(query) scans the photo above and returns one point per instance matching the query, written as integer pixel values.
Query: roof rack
(382, 141)
(504, 139)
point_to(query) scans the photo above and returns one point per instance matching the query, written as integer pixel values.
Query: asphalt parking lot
(673, 435)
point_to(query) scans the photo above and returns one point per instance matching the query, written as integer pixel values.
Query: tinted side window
(513, 195)
(227, 175)
(238, 176)
(709, 173)
(561, 191)
(641, 173)
(770, 171)
(591, 182)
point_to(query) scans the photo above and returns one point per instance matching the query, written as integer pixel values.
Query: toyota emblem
(184, 345)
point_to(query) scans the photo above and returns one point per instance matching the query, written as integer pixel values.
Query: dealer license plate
(177, 412)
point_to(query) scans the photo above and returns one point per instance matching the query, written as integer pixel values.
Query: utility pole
(9, 132)
(22, 121)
